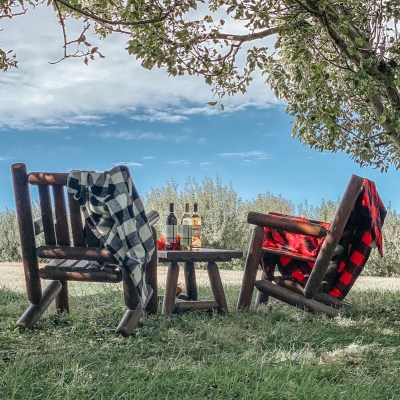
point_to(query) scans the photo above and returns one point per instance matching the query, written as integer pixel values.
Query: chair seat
(80, 270)
(287, 253)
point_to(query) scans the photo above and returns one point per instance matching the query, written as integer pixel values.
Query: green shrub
(224, 216)
(10, 249)
(389, 264)
(9, 237)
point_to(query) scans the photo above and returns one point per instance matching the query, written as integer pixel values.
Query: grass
(273, 352)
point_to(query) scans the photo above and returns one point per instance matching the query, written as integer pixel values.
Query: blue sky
(251, 148)
(71, 116)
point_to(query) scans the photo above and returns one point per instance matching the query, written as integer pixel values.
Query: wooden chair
(290, 292)
(68, 261)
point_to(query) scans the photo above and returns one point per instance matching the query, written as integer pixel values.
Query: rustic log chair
(76, 261)
(309, 297)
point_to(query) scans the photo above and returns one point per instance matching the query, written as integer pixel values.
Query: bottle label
(196, 230)
(170, 234)
(186, 235)
(196, 236)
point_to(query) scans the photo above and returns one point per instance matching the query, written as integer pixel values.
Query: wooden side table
(211, 256)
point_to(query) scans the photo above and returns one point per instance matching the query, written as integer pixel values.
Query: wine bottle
(171, 229)
(196, 228)
(186, 230)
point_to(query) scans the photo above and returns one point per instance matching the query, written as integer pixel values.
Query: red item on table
(162, 243)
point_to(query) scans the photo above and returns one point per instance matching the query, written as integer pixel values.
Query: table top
(203, 254)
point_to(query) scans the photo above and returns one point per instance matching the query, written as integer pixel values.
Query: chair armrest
(152, 216)
(75, 253)
(286, 224)
(38, 224)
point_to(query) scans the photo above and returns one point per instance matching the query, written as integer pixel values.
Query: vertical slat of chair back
(332, 239)
(76, 221)
(62, 231)
(47, 215)
(62, 236)
(26, 230)
(125, 169)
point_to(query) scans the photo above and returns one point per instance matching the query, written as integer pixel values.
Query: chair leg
(62, 302)
(131, 293)
(250, 270)
(217, 288)
(131, 318)
(35, 311)
(262, 298)
(294, 299)
(129, 321)
(151, 278)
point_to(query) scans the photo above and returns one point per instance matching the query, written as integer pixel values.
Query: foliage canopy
(335, 64)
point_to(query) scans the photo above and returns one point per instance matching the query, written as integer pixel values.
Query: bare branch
(90, 52)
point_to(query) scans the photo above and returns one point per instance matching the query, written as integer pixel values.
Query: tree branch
(102, 20)
(243, 38)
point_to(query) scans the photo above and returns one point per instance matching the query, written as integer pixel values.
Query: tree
(336, 64)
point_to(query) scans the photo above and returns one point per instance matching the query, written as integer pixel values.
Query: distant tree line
(224, 223)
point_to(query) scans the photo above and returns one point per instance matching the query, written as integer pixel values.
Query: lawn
(273, 352)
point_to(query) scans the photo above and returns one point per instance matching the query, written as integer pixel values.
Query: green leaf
(359, 41)
(351, 51)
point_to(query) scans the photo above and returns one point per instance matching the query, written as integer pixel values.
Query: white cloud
(40, 95)
(127, 135)
(259, 155)
(164, 116)
(179, 162)
(137, 135)
(130, 164)
(181, 138)
(148, 158)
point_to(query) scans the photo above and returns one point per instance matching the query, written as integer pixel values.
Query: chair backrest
(60, 220)
(54, 233)
(333, 236)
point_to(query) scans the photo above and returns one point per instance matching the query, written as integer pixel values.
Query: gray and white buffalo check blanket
(115, 213)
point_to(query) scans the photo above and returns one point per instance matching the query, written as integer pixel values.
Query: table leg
(170, 288)
(216, 286)
(190, 280)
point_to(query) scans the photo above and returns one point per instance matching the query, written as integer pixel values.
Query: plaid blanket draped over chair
(116, 215)
(363, 231)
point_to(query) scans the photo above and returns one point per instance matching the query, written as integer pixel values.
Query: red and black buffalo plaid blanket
(362, 232)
